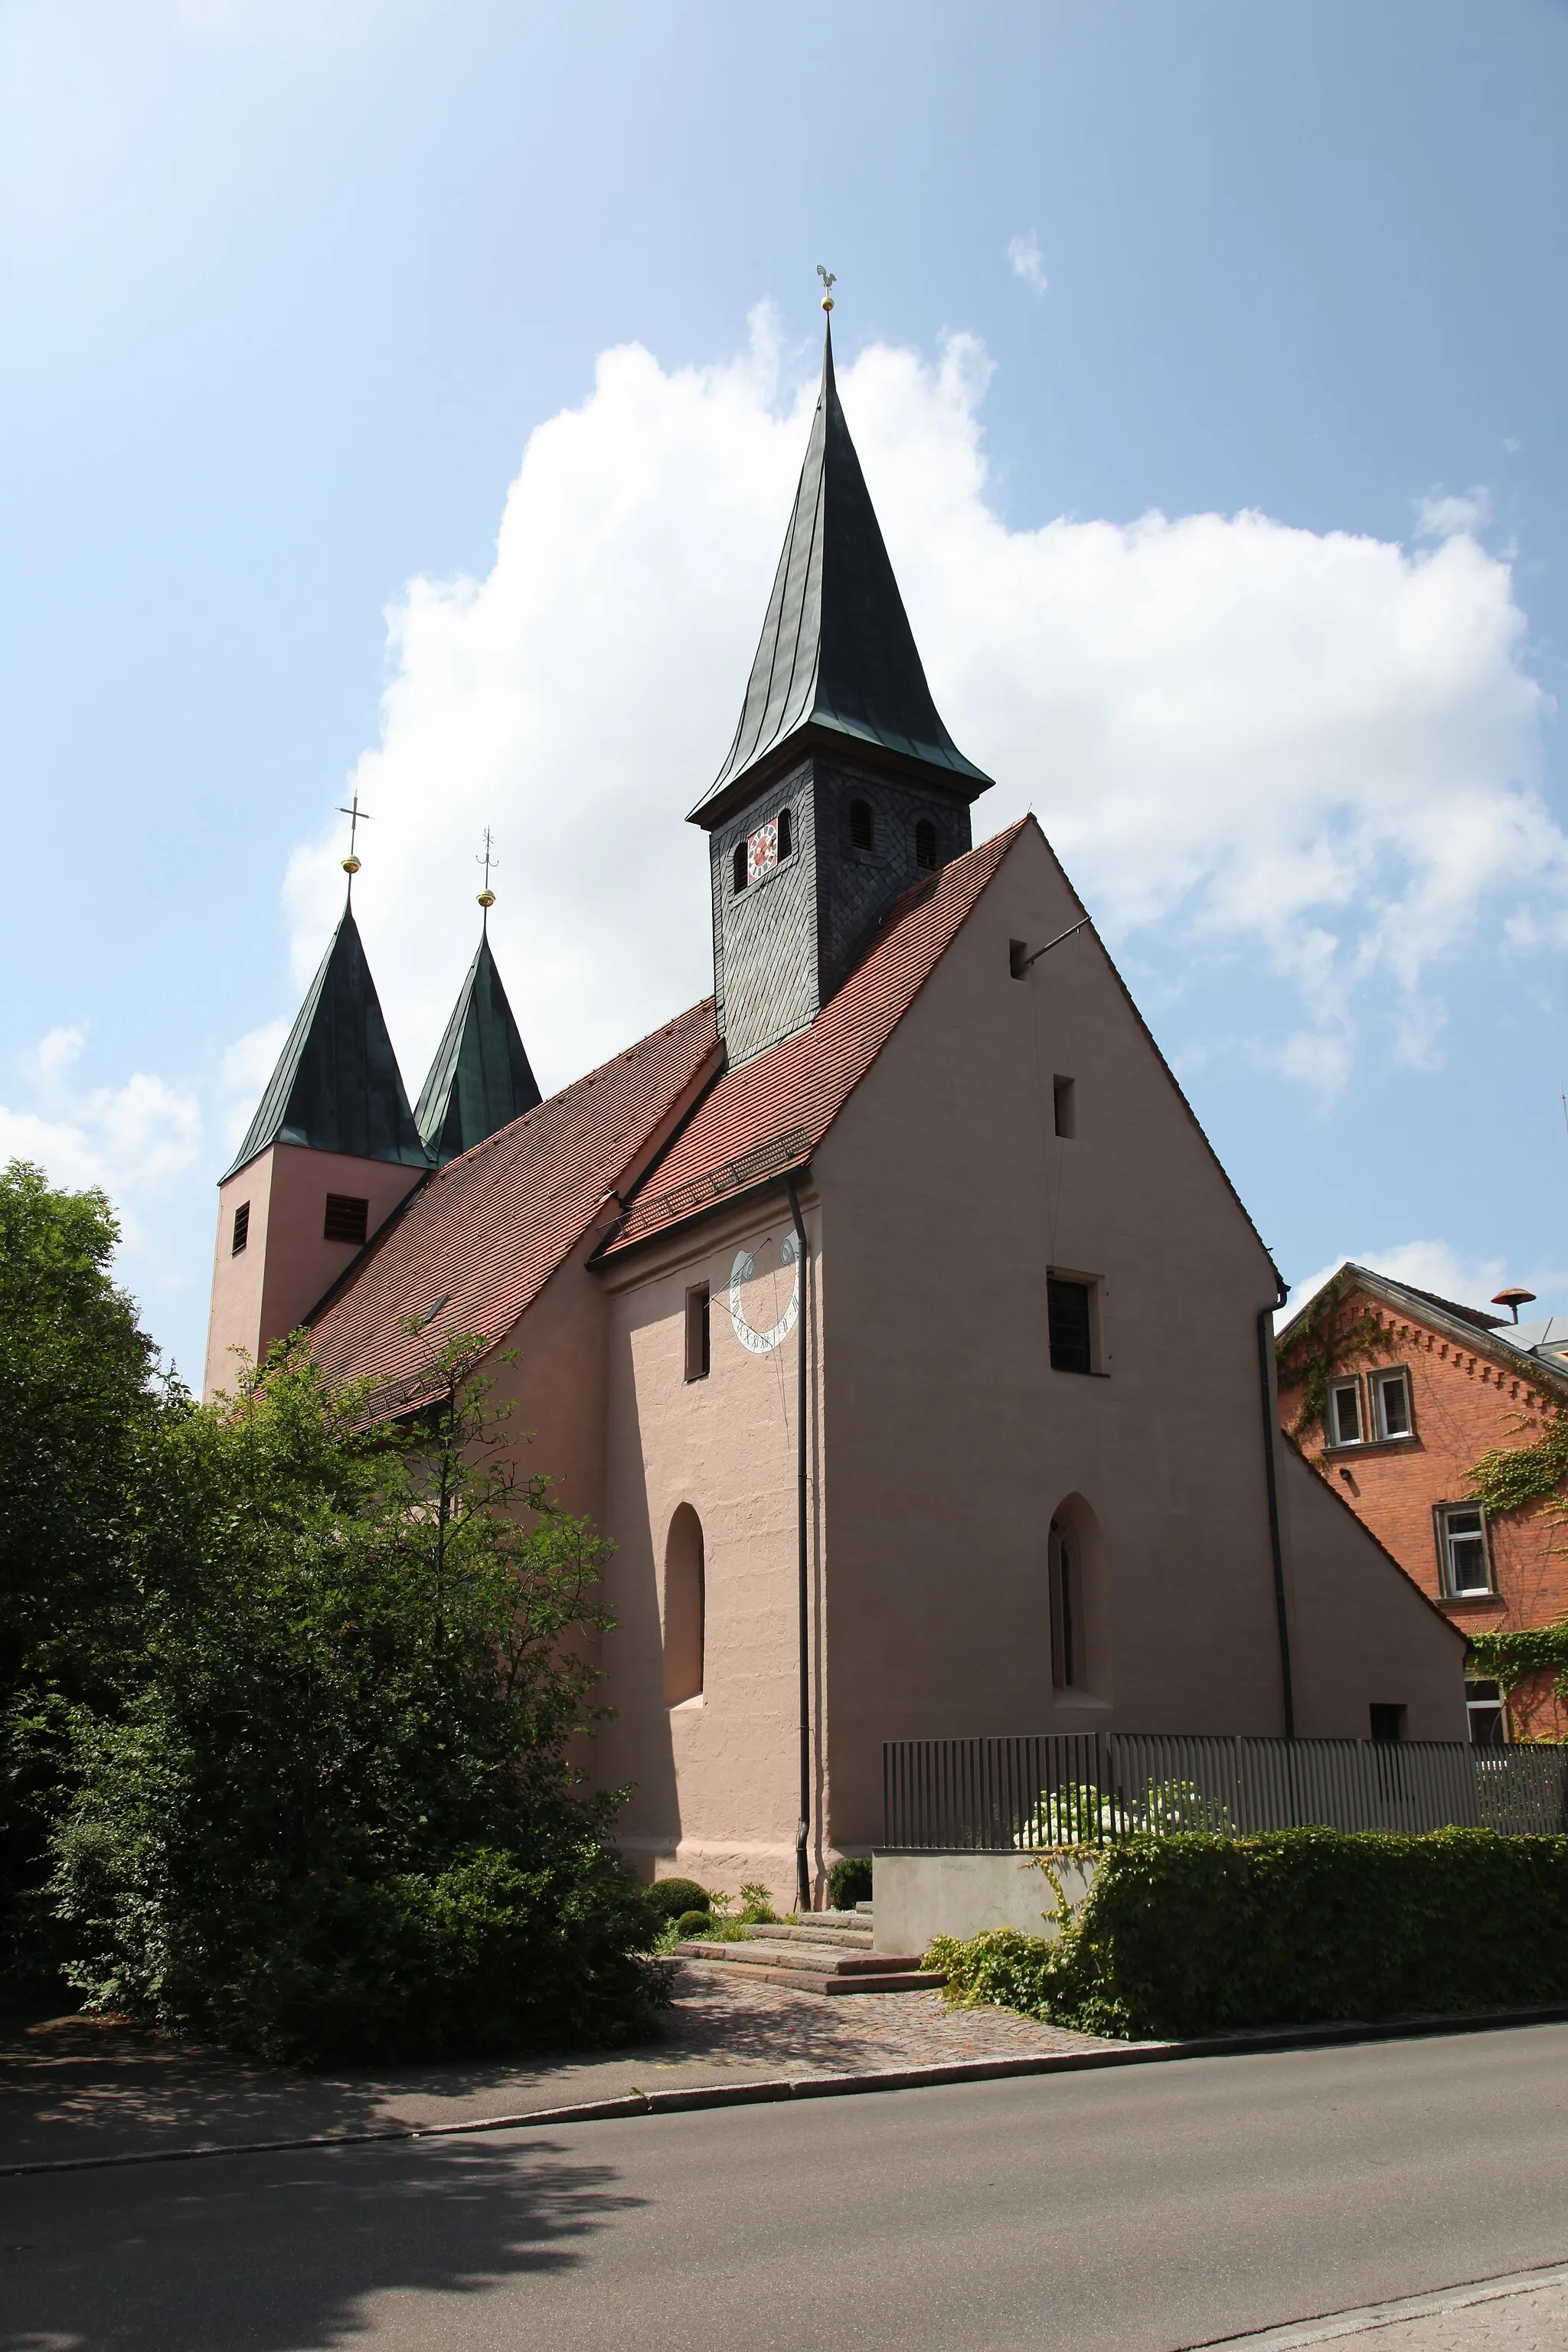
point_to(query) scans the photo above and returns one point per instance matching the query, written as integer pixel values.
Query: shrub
(671, 1897)
(694, 1923)
(850, 1882)
(756, 1905)
(1192, 1934)
(333, 1816)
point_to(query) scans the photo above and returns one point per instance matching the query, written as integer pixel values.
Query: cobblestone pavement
(77, 2086)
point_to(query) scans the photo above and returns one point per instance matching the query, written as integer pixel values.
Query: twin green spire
(337, 1086)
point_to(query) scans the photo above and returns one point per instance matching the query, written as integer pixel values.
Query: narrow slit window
(925, 846)
(1063, 1106)
(862, 825)
(1017, 950)
(698, 1332)
(786, 832)
(241, 1229)
(347, 1220)
(1068, 1314)
(738, 867)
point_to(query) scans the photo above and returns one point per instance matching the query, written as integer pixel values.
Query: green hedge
(1180, 1935)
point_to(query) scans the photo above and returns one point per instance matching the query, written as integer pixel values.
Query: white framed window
(1462, 1549)
(1346, 1426)
(1391, 1404)
(1489, 1717)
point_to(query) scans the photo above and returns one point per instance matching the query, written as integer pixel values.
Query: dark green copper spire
(480, 1079)
(837, 657)
(336, 1086)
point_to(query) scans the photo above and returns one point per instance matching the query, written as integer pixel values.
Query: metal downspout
(803, 1559)
(1271, 1471)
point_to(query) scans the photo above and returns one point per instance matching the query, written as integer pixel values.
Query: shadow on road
(280, 2253)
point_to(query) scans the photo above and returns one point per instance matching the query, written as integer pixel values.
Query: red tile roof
(489, 1230)
(771, 1114)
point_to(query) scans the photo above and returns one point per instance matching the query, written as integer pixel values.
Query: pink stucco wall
(942, 1441)
(286, 1265)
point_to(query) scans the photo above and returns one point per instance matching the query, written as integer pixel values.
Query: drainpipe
(802, 1559)
(1271, 1471)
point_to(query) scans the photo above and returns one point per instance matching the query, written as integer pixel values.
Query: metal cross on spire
(829, 280)
(487, 859)
(356, 817)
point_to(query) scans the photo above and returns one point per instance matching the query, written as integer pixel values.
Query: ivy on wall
(1511, 1653)
(1509, 1477)
(1321, 1346)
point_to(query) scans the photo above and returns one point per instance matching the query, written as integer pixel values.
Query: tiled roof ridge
(492, 1227)
(1476, 1334)
(766, 1158)
(575, 1086)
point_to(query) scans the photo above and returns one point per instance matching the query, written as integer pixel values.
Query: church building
(889, 1308)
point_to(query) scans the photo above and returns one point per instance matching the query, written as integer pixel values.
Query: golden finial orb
(829, 280)
(487, 899)
(351, 865)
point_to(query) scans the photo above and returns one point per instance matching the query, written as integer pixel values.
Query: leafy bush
(756, 1905)
(332, 1815)
(694, 1923)
(1189, 1934)
(671, 1897)
(850, 1882)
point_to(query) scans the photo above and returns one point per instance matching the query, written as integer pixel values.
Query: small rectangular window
(1066, 1306)
(1344, 1413)
(1062, 1094)
(699, 1333)
(241, 1229)
(1018, 958)
(348, 1220)
(1391, 1403)
(1488, 1722)
(1462, 1542)
(1388, 1722)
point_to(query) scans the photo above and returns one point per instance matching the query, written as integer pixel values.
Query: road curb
(771, 2090)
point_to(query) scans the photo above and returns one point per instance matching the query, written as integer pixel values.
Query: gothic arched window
(685, 1608)
(925, 846)
(862, 825)
(786, 832)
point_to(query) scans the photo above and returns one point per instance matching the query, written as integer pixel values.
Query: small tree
(80, 1407)
(338, 1817)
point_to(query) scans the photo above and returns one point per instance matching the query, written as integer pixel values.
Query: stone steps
(830, 1952)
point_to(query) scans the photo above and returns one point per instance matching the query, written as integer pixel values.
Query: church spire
(837, 665)
(480, 1079)
(337, 1086)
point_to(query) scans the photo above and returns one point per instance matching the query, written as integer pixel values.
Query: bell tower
(842, 788)
(331, 1152)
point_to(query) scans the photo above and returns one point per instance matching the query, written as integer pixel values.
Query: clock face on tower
(744, 1270)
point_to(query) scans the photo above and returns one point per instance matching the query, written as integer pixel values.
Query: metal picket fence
(1050, 1789)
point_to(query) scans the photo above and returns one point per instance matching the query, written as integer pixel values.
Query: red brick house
(1395, 1395)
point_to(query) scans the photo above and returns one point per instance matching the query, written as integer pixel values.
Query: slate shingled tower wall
(837, 712)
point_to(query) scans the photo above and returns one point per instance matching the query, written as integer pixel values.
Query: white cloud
(1027, 261)
(132, 1139)
(1308, 754)
(1426, 1266)
(1445, 514)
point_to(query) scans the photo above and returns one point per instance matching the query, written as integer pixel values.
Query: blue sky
(498, 319)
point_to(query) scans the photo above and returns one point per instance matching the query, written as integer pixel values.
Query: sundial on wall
(752, 1294)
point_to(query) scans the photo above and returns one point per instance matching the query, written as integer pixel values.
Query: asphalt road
(1135, 2210)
